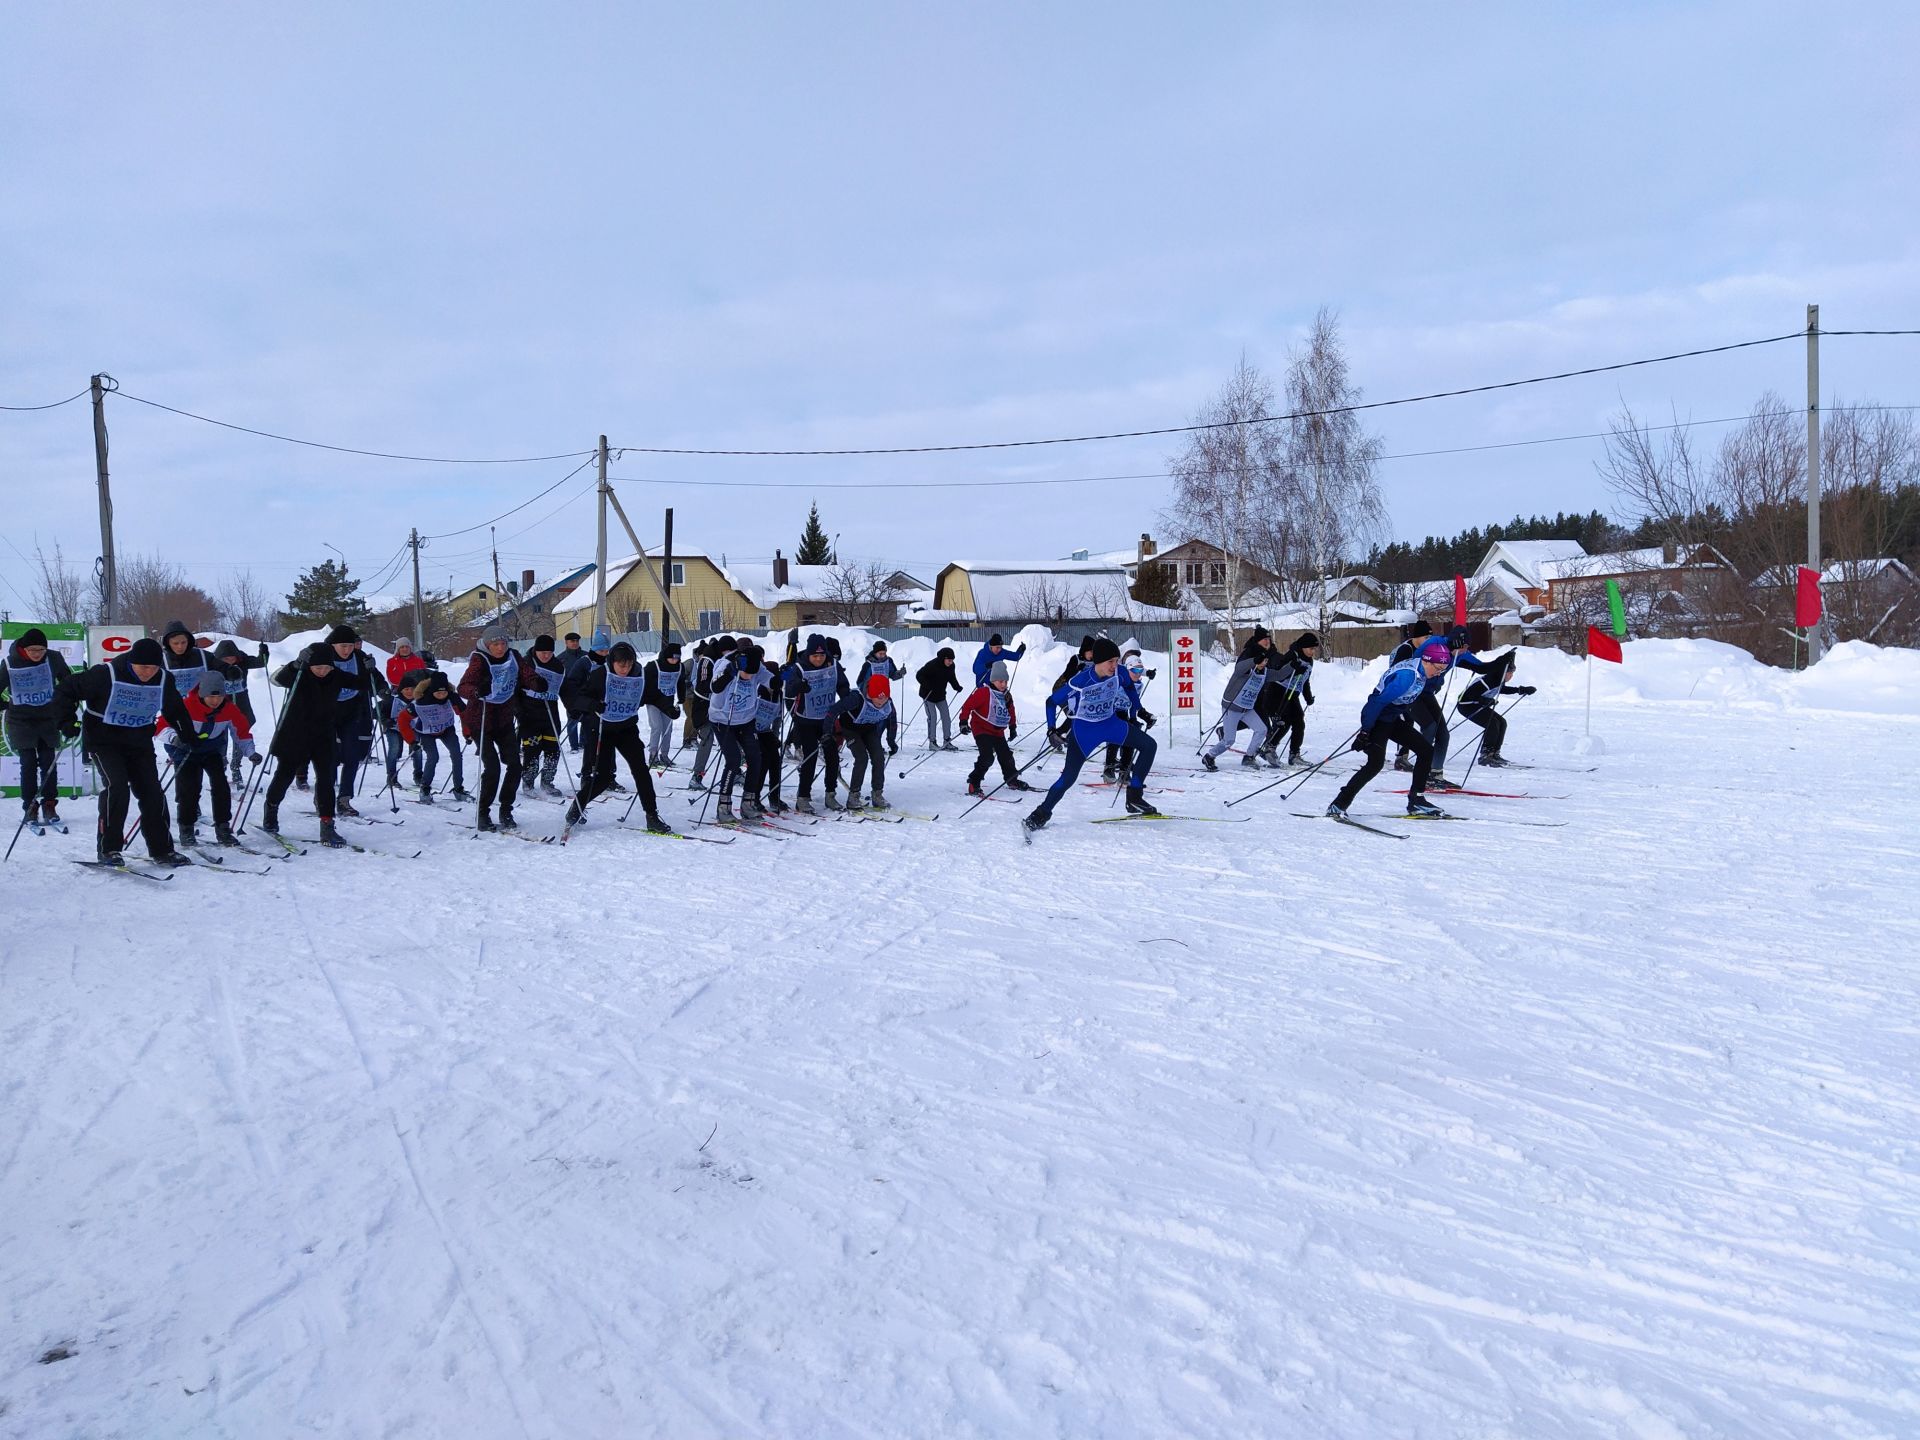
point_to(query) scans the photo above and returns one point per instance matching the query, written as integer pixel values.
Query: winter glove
(70, 730)
(1309, 697)
(263, 652)
(1013, 734)
(1056, 742)
(176, 752)
(1524, 689)
(1147, 719)
(673, 712)
(244, 748)
(253, 757)
(1362, 741)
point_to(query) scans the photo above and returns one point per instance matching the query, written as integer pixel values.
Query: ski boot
(1206, 763)
(831, 803)
(1420, 805)
(751, 809)
(1437, 781)
(172, 858)
(656, 825)
(460, 792)
(573, 813)
(804, 806)
(50, 816)
(547, 787)
(698, 782)
(1293, 758)
(973, 789)
(300, 784)
(507, 822)
(344, 806)
(1019, 784)
(188, 836)
(270, 818)
(1035, 819)
(948, 745)
(1495, 761)
(723, 812)
(879, 802)
(617, 787)
(854, 804)
(110, 857)
(1249, 762)
(1137, 802)
(526, 785)
(330, 836)
(1403, 761)
(1336, 811)
(483, 821)
(1109, 772)
(775, 805)
(223, 835)
(426, 795)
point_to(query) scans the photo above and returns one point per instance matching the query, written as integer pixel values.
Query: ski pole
(166, 779)
(559, 737)
(24, 813)
(1337, 750)
(1482, 744)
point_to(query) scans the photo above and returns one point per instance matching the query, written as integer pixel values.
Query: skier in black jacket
(233, 664)
(814, 685)
(29, 676)
(667, 685)
(362, 688)
(1290, 690)
(122, 700)
(935, 679)
(1480, 703)
(612, 692)
(307, 735)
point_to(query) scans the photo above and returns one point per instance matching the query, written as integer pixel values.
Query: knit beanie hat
(145, 651)
(1000, 671)
(1104, 649)
(212, 683)
(35, 636)
(543, 642)
(493, 633)
(343, 635)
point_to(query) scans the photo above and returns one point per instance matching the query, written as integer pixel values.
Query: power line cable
(349, 449)
(55, 405)
(591, 456)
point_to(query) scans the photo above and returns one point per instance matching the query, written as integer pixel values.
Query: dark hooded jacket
(91, 689)
(308, 719)
(57, 672)
(937, 676)
(233, 663)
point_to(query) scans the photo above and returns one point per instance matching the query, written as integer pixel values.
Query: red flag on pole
(1602, 646)
(1459, 600)
(1806, 599)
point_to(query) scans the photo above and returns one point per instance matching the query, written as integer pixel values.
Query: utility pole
(109, 576)
(1813, 462)
(419, 618)
(600, 552)
(645, 565)
(666, 583)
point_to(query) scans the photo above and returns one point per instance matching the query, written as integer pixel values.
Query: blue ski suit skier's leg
(1144, 748)
(1069, 773)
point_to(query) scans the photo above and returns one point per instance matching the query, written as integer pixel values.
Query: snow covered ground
(1263, 1129)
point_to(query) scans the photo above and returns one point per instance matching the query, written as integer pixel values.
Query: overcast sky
(500, 230)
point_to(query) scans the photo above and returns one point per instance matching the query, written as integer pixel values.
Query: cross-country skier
(573, 692)
(1387, 718)
(989, 716)
(1099, 705)
(864, 715)
(815, 685)
(611, 693)
(494, 676)
(397, 727)
(233, 664)
(935, 678)
(121, 700)
(200, 749)
(994, 651)
(667, 686)
(29, 677)
(540, 718)
(1430, 717)
(732, 706)
(363, 693)
(183, 657)
(769, 718)
(308, 734)
(1119, 758)
(1413, 635)
(1480, 703)
(436, 707)
(1286, 697)
(571, 655)
(1238, 704)
(718, 649)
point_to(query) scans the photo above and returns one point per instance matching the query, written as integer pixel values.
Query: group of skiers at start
(732, 697)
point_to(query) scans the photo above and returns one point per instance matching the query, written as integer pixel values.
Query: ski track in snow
(1275, 1129)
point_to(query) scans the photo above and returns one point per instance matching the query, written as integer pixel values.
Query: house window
(1172, 572)
(679, 574)
(1216, 574)
(709, 621)
(1195, 569)
(639, 622)
(763, 622)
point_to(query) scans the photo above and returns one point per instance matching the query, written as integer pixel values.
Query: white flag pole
(1589, 690)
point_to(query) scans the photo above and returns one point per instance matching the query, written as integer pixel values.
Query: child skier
(182, 656)
(397, 727)
(200, 749)
(1238, 709)
(864, 717)
(435, 706)
(935, 678)
(1100, 704)
(1292, 682)
(814, 686)
(667, 683)
(612, 694)
(732, 706)
(495, 674)
(29, 677)
(307, 735)
(363, 690)
(718, 649)
(989, 716)
(992, 652)
(122, 699)
(768, 718)
(1119, 758)
(1387, 718)
(1480, 703)
(540, 718)
(233, 665)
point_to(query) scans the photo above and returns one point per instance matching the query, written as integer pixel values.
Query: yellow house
(710, 597)
(474, 600)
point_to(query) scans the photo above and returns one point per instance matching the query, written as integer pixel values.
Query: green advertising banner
(71, 642)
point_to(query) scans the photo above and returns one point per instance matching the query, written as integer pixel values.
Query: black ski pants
(770, 761)
(186, 789)
(1403, 732)
(1289, 722)
(868, 744)
(620, 741)
(1489, 719)
(130, 770)
(1433, 725)
(815, 739)
(499, 767)
(739, 756)
(350, 753)
(992, 748)
(292, 756)
(37, 743)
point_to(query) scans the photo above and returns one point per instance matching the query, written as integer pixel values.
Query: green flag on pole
(1619, 609)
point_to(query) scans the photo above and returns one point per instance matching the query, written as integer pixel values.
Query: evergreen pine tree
(815, 547)
(324, 597)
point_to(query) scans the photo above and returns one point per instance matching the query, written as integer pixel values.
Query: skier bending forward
(1102, 708)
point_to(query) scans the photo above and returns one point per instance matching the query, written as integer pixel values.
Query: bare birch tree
(245, 606)
(61, 595)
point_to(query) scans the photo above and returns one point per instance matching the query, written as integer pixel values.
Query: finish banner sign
(1185, 648)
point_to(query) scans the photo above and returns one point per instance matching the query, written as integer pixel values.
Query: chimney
(1147, 547)
(526, 582)
(1669, 552)
(779, 570)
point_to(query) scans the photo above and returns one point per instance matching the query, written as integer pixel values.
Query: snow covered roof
(554, 587)
(587, 594)
(1525, 558)
(754, 579)
(1083, 588)
(1838, 572)
(1629, 562)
